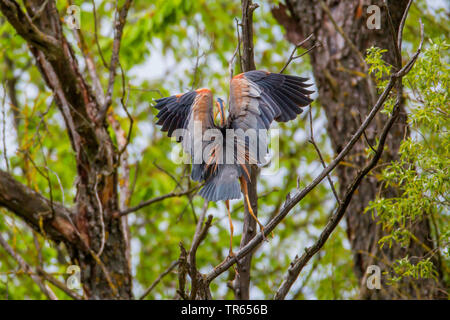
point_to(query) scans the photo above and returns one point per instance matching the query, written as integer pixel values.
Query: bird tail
(224, 185)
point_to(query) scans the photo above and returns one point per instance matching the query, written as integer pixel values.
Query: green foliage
(171, 36)
(403, 268)
(381, 71)
(422, 171)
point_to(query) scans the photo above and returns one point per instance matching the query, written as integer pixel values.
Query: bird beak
(219, 104)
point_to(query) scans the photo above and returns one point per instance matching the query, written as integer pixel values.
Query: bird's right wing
(182, 110)
(193, 112)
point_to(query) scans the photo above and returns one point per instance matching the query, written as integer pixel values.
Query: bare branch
(248, 60)
(36, 210)
(157, 199)
(298, 45)
(402, 25)
(298, 196)
(60, 285)
(162, 275)
(5, 151)
(313, 142)
(94, 9)
(298, 264)
(27, 269)
(236, 51)
(200, 234)
(27, 29)
(119, 24)
(242, 281)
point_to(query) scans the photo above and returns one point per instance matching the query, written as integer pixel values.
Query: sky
(152, 69)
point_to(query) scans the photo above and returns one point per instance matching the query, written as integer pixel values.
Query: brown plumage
(256, 99)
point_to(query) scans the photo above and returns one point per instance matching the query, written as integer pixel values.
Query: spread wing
(192, 111)
(259, 97)
(182, 110)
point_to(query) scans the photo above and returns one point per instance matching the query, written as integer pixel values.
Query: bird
(256, 99)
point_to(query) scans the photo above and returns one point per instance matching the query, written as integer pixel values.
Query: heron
(257, 98)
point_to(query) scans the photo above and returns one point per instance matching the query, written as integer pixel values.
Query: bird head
(220, 109)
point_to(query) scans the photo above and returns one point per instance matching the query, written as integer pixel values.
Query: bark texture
(242, 281)
(96, 241)
(346, 97)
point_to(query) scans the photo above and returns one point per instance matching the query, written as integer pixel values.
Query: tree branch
(27, 29)
(292, 201)
(200, 234)
(242, 281)
(36, 210)
(297, 265)
(157, 199)
(27, 269)
(119, 24)
(298, 45)
(162, 275)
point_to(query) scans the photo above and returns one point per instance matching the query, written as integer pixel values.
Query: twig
(90, 64)
(402, 25)
(156, 199)
(162, 275)
(298, 196)
(60, 285)
(27, 269)
(168, 173)
(105, 272)
(5, 154)
(39, 11)
(397, 52)
(298, 264)
(291, 57)
(236, 51)
(313, 142)
(96, 35)
(119, 24)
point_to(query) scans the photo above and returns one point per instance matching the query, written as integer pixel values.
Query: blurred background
(170, 47)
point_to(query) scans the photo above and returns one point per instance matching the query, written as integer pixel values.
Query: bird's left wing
(259, 97)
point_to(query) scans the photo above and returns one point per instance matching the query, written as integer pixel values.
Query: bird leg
(227, 204)
(249, 206)
(231, 253)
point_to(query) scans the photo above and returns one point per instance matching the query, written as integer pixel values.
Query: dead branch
(157, 199)
(27, 269)
(162, 275)
(297, 265)
(291, 56)
(119, 24)
(299, 195)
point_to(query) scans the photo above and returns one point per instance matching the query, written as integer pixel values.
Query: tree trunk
(242, 281)
(346, 97)
(99, 247)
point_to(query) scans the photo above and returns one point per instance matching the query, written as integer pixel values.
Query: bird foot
(231, 255)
